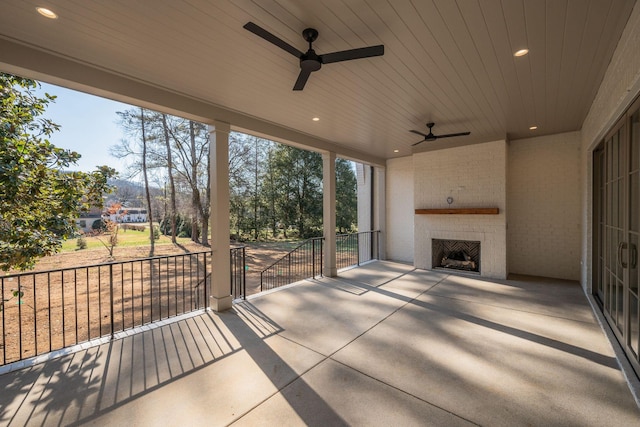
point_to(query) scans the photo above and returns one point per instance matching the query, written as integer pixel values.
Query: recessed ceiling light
(315, 119)
(521, 52)
(47, 13)
(533, 127)
(396, 151)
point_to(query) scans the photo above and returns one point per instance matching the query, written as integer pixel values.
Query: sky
(88, 125)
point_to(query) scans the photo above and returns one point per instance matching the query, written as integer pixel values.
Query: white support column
(380, 208)
(329, 213)
(220, 298)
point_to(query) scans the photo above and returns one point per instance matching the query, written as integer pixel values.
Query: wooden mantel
(458, 211)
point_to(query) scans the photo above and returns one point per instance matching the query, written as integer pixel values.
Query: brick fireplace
(457, 179)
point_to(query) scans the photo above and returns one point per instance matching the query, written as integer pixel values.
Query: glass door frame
(616, 231)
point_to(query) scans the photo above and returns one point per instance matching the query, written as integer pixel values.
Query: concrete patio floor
(383, 344)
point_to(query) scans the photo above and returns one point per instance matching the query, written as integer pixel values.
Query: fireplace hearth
(460, 255)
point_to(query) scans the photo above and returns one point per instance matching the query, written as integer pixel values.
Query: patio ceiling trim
(31, 62)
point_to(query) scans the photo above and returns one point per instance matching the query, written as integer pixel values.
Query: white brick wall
(400, 210)
(543, 199)
(433, 182)
(621, 84)
(475, 176)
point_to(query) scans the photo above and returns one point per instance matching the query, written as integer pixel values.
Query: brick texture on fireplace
(474, 176)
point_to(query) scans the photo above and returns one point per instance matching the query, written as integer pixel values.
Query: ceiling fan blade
(302, 79)
(419, 133)
(419, 142)
(453, 134)
(346, 55)
(261, 32)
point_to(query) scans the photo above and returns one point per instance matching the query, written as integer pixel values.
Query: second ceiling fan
(431, 137)
(310, 61)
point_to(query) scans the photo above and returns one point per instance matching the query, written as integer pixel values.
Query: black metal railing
(356, 248)
(301, 263)
(238, 272)
(50, 310)
(307, 259)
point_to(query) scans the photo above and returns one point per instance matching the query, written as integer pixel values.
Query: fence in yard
(49, 310)
(306, 260)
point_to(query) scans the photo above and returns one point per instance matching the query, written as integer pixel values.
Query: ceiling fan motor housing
(310, 61)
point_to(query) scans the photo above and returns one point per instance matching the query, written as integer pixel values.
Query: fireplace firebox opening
(462, 255)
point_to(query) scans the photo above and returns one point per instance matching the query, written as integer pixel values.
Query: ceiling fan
(310, 61)
(431, 137)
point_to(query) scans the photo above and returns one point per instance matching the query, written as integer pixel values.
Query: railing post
(244, 273)
(232, 256)
(372, 242)
(4, 327)
(111, 300)
(321, 256)
(358, 248)
(204, 291)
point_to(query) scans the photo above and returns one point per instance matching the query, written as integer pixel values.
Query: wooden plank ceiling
(450, 62)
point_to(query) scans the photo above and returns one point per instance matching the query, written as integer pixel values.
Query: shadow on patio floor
(383, 344)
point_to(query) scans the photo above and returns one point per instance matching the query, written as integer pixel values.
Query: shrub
(99, 225)
(81, 243)
(183, 226)
(133, 227)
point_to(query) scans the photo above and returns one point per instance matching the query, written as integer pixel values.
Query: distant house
(130, 214)
(86, 219)
(124, 215)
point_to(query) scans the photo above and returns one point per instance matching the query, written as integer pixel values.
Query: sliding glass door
(632, 301)
(616, 230)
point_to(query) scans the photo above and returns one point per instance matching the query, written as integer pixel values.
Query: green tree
(298, 182)
(247, 170)
(239, 155)
(39, 199)
(346, 196)
(271, 194)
